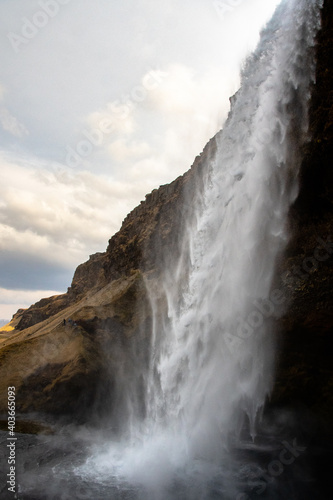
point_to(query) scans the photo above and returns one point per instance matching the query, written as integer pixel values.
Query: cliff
(72, 368)
(154, 224)
(305, 367)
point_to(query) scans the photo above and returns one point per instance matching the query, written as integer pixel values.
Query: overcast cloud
(101, 102)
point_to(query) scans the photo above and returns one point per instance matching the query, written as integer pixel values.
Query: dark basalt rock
(305, 368)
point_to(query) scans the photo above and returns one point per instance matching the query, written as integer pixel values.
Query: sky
(101, 102)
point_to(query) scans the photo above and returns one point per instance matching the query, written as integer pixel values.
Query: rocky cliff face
(68, 363)
(72, 368)
(156, 223)
(305, 368)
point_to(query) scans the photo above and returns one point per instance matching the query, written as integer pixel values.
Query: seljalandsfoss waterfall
(211, 359)
(209, 367)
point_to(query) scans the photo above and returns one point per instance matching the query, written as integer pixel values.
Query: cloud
(87, 57)
(175, 94)
(185, 94)
(175, 120)
(153, 168)
(121, 150)
(12, 300)
(112, 126)
(11, 124)
(52, 219)
(23, 296)
(116, 119)
(57, 206)
(157, 136)
(21, 271)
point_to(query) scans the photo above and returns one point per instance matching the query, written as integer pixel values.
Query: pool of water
(77, 462)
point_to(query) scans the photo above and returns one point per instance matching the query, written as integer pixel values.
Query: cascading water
(212, 355)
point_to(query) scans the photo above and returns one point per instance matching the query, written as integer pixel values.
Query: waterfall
(214, 361)
(212, 349)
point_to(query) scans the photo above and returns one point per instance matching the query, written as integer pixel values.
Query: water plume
(211, 363)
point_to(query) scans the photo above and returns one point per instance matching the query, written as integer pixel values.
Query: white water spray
(212, 357)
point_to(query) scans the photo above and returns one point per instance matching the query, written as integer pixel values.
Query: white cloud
(157, 138)
(26, 297)
(11, 124)
(175, 121)
(153, 169)
(185, 94)
(12, 300)
(52, 219)
(63, 214)
(110, 121)
(122, 151)
(113, 126)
